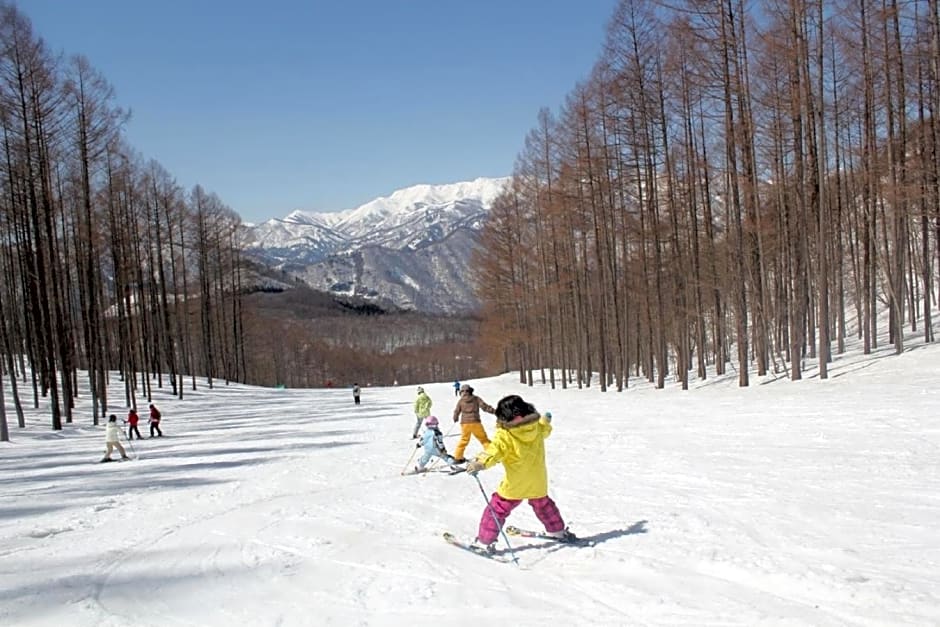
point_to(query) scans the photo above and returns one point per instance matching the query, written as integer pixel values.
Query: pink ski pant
(544, 508)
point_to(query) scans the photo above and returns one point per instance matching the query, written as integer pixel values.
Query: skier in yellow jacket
(467, 412)
(519, 443)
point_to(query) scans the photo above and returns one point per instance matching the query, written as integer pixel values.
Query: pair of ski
(500, 556)
(447, 470)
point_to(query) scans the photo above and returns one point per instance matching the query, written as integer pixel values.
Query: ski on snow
(470, 548)
(541, 535)
(444, 470)
(501, 556)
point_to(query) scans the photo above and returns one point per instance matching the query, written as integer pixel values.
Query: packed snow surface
(815, 502)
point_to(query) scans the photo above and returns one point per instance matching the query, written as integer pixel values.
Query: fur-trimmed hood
(522, 428)
(518, 421)
(513, 411)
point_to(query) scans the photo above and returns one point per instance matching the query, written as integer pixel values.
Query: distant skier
(468, 413)
(456, 388)
(433, 442)
(132, 420)
(155, 420)
(422, 410)
(112, 439)
(356, 393)
(519, 443)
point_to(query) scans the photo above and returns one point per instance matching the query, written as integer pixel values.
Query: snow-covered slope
(433, 278)
(786, 504)
(409, 211)
(392, 249)
(302, 238)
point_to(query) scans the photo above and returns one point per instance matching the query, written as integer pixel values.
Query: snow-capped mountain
(410, 249)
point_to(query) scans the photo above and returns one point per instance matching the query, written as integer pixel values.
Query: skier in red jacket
(132, 420)
(155, 420)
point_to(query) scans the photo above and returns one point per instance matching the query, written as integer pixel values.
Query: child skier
(467, 412)
(519, 443)
(433, 442)
(422, 410)
(111, 439)
(132, 420)
(155, 420)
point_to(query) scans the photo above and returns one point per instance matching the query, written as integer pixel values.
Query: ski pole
(496, 520)
(411, 457)
(129, 443)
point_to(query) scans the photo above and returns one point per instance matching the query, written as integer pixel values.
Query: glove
(474, 467)
(417, 444)
(456, 419)
(548, 416)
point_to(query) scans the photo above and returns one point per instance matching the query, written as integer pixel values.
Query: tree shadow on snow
(58, 461)
(314, 435)
(115, 582)
(24, 512)
(168, 454)
(236, 463)
(275, 449)
(373, 413)
(861, 364)
(68, 478)
(80, 490)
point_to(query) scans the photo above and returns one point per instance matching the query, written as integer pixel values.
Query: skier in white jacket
(112, 439)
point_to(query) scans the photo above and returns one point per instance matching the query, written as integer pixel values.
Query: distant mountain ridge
(410, 250)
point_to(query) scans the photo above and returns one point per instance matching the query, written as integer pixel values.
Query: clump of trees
(106, 264)
(734, 177)
(108, 268)
(297, 339)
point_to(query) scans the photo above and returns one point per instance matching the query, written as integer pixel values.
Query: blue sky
(325, 105)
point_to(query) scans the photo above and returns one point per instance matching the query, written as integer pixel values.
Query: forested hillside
(732, 183)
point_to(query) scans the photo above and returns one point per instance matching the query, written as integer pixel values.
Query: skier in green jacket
(422, 410)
